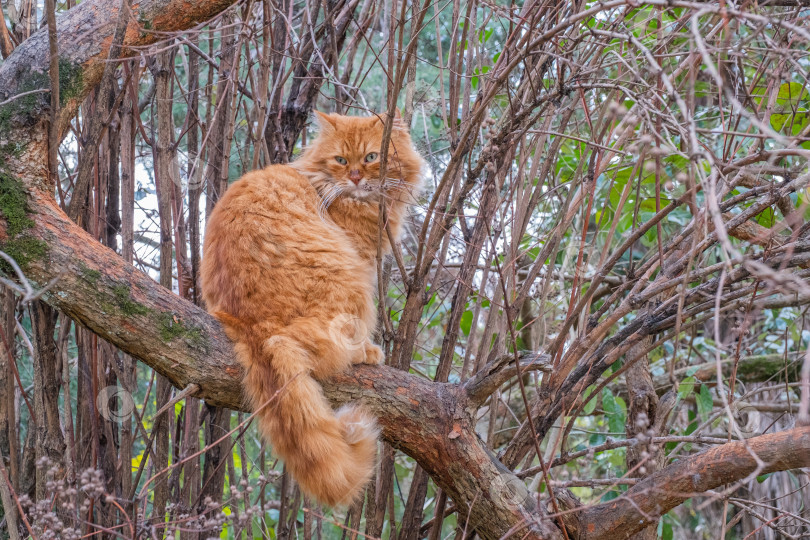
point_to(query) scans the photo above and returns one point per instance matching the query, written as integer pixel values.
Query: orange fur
(289, 269)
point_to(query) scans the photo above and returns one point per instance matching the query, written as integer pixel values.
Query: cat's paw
(373, 355)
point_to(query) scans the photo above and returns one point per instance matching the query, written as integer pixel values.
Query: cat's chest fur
(359, 221)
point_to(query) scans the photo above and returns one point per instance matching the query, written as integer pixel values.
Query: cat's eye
(341, 160)
(371, 156)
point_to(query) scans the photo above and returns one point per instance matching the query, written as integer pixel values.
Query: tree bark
(642, 408)
(50, 441)
(165, 179)
(9, 443)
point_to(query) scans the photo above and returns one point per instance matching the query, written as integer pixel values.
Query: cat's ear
(325, 122)
(399, 123)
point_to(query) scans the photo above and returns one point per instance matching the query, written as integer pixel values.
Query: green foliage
(704, 402)
(466, 322)
(615, 410)
(686, 387)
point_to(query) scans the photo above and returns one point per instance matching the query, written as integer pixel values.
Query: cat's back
(273, 201)
(266, 240)
(274, 188)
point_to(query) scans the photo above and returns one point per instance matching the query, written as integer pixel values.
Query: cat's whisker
(334, 192)
(322, 209)
(338, 191)
(327, 202)
(327, 197)
(322, 192)
(396, 182)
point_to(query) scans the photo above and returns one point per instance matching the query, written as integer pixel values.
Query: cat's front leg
(372, 354)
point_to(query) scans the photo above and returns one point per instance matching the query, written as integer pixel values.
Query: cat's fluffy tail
(330, 453)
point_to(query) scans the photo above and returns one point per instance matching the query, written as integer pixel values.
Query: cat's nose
(355, 176)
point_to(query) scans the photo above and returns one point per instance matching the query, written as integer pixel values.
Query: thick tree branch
(651, 498)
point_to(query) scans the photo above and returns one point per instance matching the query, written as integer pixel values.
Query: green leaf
(666, 532)
(800, 121)
(704, 402)
(766, 218)
(778, 121)
(590, 405)
(762, 477)
(614, 411)
(616, 425)
(686, 387)
(466, 322)
(610, 495)
(702, 89)
(474, 80)
(758, 93)
(609, 402)
(790, 94)
(693, 424)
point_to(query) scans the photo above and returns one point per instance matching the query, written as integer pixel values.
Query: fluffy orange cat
(289, 269)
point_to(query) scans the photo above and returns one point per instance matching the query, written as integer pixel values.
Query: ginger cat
(289, 269)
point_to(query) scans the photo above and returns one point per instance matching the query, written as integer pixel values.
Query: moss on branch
(18, 243)
(172, 327)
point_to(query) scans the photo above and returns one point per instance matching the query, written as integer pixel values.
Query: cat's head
(344, 159)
